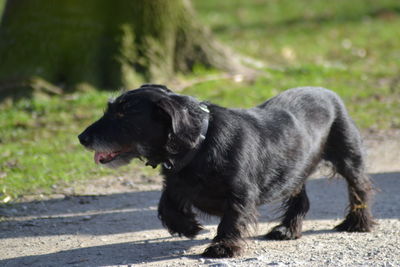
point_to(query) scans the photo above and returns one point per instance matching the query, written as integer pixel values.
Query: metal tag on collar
(204, 108)
(167, 165)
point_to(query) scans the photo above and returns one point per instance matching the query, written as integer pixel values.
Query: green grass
(351, 47)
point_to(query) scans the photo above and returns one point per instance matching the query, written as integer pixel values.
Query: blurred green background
(351, 47)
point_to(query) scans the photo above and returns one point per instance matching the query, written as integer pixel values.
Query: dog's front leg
(229, 239)
(177, 216)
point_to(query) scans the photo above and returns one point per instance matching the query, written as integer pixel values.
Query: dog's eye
(126, 108)
(130, 109)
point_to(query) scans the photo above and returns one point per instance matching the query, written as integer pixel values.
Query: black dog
(226, 162)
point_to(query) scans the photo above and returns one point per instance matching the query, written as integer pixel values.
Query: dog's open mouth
(120, 156)
(105, 157)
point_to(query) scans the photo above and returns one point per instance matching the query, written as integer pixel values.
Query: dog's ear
(184, 125)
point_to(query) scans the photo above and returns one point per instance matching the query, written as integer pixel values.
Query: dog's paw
(191, 230)
(222, 250)
(356, 222)
(282, 232)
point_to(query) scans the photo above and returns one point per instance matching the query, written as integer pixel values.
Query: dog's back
(312, 106)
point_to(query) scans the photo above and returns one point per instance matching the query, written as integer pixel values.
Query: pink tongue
(104, 155)
(98, 156)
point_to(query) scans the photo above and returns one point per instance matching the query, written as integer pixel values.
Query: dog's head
(151, 122)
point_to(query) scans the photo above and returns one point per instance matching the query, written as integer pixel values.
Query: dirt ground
(113, 221)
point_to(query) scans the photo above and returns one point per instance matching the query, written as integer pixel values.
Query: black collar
(177, 166)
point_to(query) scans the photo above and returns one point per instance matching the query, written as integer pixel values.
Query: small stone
(179, 252)
(219, 264)
(86, 218)
(261, 258)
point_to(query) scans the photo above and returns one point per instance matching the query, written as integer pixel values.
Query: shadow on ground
(108, 255)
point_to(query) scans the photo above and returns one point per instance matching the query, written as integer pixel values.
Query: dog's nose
(85, 139)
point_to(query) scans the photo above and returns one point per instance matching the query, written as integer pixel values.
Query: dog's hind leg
(344, 150)
(359, 218)
(290, 227)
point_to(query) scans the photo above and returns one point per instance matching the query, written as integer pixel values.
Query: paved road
(117, 225)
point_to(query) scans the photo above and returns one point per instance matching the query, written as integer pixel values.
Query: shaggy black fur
(226, 162)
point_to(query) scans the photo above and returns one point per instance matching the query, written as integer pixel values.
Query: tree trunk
(108, 44)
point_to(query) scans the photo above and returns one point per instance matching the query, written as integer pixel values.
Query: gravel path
(112, 221)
